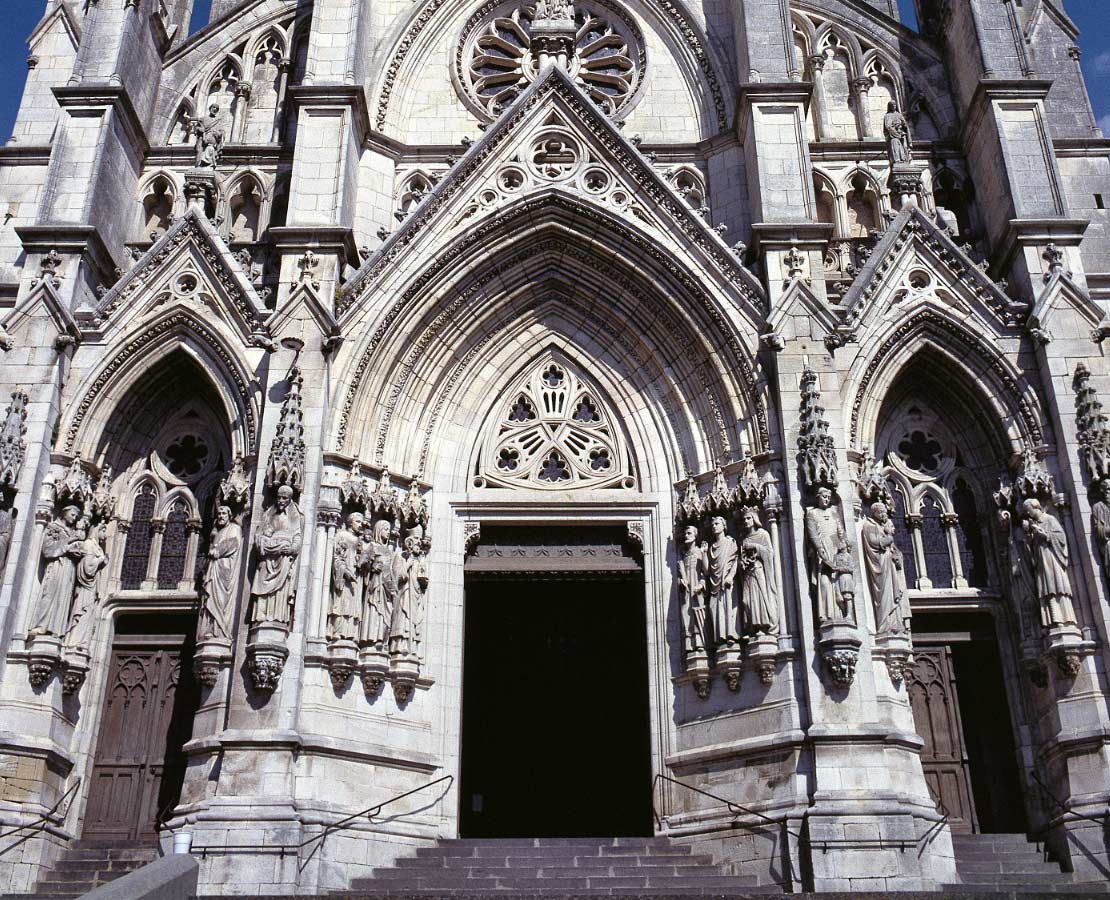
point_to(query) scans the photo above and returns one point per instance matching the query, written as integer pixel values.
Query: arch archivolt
(551, 284)
(121, 369)
(970, 359)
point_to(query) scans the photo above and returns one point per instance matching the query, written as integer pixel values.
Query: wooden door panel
(931, 684)
(143, 727)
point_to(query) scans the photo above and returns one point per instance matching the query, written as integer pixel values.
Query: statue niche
(379, 580)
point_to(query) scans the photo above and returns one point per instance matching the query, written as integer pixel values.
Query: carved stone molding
(266, 665)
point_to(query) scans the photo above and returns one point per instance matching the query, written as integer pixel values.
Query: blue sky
(20, 17)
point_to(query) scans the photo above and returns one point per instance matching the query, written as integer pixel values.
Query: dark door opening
(149, 703)
(555, 735)
(963, 714)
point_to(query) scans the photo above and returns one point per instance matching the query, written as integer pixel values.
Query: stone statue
(554, 11)
(406, 632)
(386, 570)
(896, 130)
(830, 560)
(209, 132)
(1100, 522)
(348, 563)
(220, 577)
(278, 542)
(88, 568)
(692, 573)
(62, 546)
(885, 573)
(722, 559)
(7, 526)
(760, 597)
(1046, 548)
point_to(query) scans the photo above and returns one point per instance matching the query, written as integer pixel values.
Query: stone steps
(1011, 863)
(87, 864)
(550, 867)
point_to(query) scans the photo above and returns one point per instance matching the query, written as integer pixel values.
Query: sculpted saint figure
(88, 568)
(692, 573)
(759, 588)
(1047, 550)
(722, 558)
(885, 573)
(62, 546)
(386, 571)
(406, 632)
(7, 525)
(347, 566)
(220, 576)
(830, 562)
(899, 144)
(1100, 520)
(278, 542)
(209, 132)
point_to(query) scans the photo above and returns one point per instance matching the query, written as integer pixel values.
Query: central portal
(555, 736)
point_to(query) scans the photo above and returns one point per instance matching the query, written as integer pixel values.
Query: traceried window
(553, 433)
(939, 525)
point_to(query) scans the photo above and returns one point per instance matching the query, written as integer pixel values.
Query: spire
(13, 448)
(818, 454)
(287, 451)
(1092, 427)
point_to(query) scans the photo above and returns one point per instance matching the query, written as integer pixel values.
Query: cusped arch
(983, 377)
(137, 354)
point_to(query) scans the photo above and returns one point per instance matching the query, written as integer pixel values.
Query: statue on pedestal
(406, 632)
(386, 571)
(885, 573)
(221, 574)
(692, 571)
(209, 133)
(722, 559)
(830, 560)
(348, 563)
(896, 130)
(1046, 547)
(87, 571)
(759, 589)
(1100, 520)
(278, 542)
(62, 546)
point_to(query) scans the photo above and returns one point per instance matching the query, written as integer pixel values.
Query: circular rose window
(496, 60)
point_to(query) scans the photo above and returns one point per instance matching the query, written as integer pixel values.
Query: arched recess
(177, 340)
(672, 359)
(960, 364)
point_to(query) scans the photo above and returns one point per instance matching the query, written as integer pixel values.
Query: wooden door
(147, 718)
(931, 683)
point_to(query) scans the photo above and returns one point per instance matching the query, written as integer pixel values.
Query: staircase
(557, 866)
(1010, 862)
(87, 864)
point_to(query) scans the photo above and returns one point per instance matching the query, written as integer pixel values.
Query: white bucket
(182, 842)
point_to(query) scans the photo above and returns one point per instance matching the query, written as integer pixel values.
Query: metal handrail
(1060, 803)
(734, 808)
(369, 813)
(42, 818)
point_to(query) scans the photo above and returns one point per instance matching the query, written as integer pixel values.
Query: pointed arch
(246, 204)
(178, 331)
(1008, 412)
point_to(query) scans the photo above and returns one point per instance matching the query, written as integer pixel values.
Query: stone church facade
(654, 417)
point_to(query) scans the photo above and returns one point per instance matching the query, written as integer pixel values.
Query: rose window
(553, 432)
(496, 59)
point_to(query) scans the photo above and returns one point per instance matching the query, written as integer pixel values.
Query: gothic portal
(572, 417)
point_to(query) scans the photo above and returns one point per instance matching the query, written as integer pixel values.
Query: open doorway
(555, 734)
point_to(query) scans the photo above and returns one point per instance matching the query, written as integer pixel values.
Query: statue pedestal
(266, 655)
(839, 641)
(76, 671)
(906, 182)
(373, 669)
(697, 667)
(211, 657)
(1064, 643)
(404, 670)
(202, 187)
(730, 663)
(763, 650)
(342, 662)
(896, 650)
(44, 655)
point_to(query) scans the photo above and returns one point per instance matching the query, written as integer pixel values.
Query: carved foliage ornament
(499, 55)
(554, 433)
